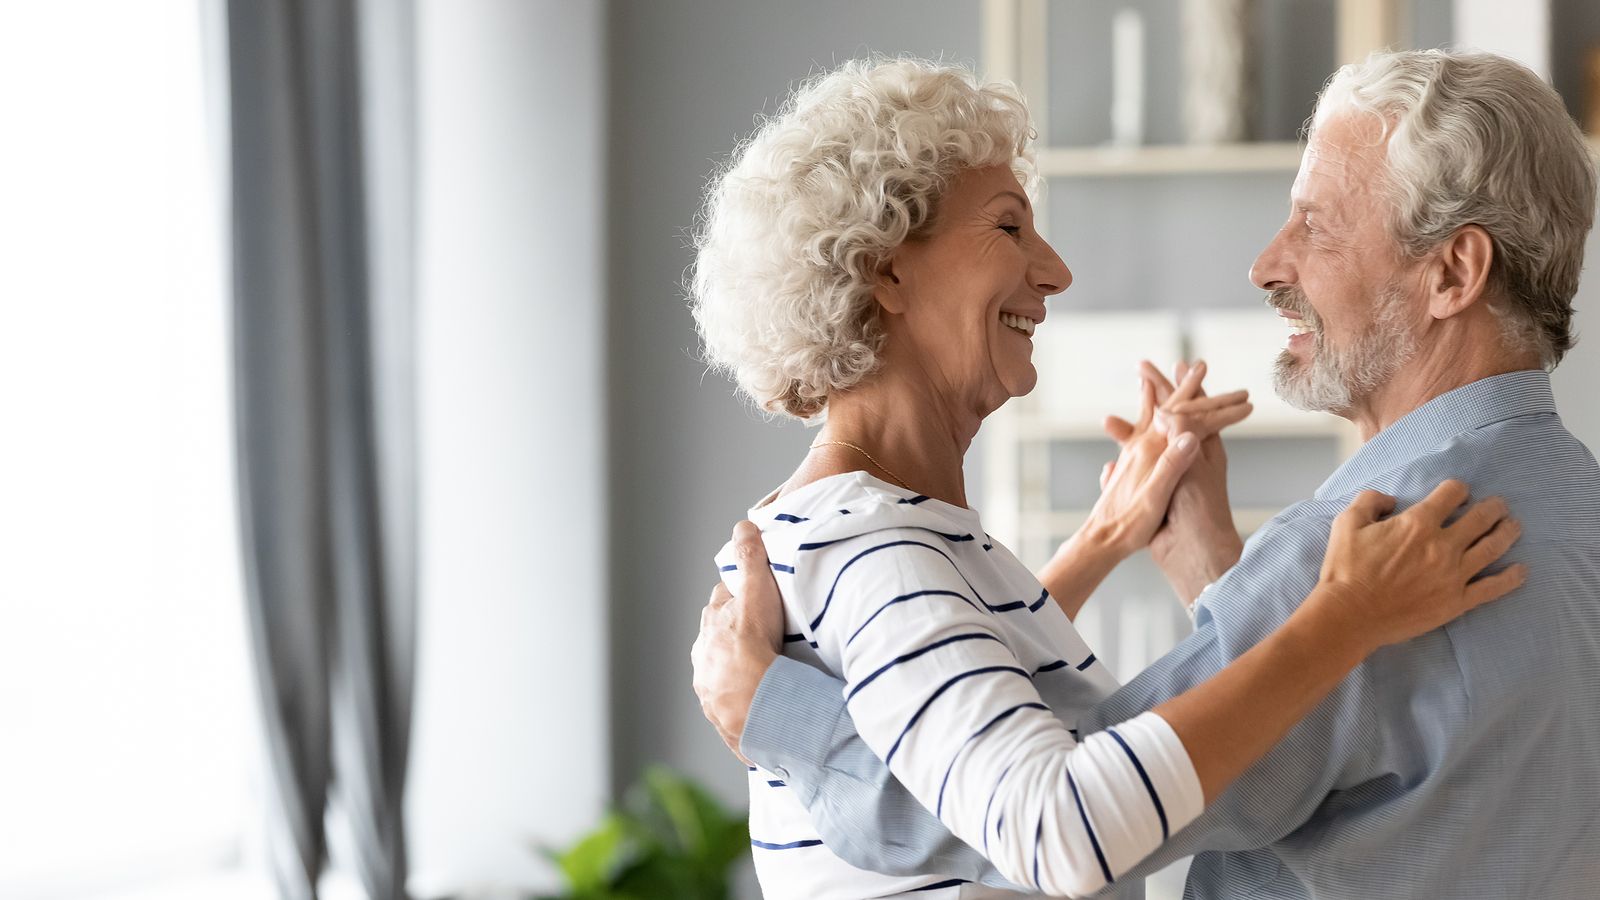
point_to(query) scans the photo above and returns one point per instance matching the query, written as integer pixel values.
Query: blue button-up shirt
(1464, 763)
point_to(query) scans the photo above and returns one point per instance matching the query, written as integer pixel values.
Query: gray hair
(1477, 139)
(795, 227)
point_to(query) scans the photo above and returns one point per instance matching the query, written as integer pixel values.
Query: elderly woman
(869, 262)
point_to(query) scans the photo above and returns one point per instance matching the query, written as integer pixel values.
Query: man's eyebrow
(1020, 198)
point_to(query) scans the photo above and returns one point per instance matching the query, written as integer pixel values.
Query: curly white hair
(795, 228)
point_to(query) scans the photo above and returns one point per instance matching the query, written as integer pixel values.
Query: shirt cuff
(792, 724)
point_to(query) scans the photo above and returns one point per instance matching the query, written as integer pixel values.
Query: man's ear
(888, 289)
(1458, 274)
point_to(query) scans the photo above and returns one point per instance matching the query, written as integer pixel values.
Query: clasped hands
(1166, 490)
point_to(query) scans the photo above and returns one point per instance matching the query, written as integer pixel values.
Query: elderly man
(1427, 269)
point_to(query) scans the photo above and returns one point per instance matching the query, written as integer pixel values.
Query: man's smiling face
(1336, 276)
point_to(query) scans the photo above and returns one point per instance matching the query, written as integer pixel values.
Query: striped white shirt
(953, 657)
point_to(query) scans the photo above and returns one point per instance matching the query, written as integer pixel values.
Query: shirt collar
(1431, 425)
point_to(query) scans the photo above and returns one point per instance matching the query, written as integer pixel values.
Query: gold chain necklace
(870, 458)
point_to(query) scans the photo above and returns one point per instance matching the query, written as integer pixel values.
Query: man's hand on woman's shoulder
(739, 638)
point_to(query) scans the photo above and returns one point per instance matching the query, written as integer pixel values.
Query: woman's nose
(1050, 275)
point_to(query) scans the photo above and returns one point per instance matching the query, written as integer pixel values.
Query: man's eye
(1013, 230)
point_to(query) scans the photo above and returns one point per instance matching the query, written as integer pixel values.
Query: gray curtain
(321, 167)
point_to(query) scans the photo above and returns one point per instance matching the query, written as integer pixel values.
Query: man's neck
(1432, 373)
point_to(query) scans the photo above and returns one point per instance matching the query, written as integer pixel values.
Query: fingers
(1151, 374)
(1368, 507)
(1495, 586)
(1493, 546)
(1105, 473)
(1445, 499)
(1117, 428)
(1147, 404)
(1204, 424)
(1478, 520)
(1190, 386)
(1207, 404)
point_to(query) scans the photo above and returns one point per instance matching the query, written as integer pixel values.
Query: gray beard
(1338, 377)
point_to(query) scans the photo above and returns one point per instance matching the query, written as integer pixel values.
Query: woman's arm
(1382, 582)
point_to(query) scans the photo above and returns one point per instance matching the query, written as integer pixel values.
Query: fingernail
(1185, 441)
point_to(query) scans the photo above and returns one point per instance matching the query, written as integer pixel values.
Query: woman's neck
(914, 436)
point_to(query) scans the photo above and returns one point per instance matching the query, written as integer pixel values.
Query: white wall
(511, 734)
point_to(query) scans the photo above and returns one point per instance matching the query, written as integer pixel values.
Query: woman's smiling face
(962, 301)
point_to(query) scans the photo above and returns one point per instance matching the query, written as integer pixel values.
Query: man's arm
(1338, 745)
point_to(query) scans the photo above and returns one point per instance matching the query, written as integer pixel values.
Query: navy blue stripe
(1008, 607)
(1086, 663)
(818, 545)
(751, 768)
(1051, 667)
(729, 568)
(1093, 841)
(937, 885)
(1145, 777)
(794, 845)
(1043, 596)
(793, 638)
(914, 500)
(844, 512)
(1038, 832)
(987, 547)
(911, 596)
(938, 808)
(942, 688)
(780, 567)
(785, 517)
(989, 806)
(981, 636)
(776, 784)
(829, 600)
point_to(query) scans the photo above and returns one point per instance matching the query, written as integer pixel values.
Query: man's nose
(1272, 268)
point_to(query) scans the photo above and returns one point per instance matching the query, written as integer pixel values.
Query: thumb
(760, 591)
(1169, 469)
(1117, 428)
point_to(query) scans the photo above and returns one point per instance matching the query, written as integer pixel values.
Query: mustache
(1293, 299)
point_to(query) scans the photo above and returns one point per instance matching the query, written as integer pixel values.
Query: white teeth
(1021, 324)
(1298, 326)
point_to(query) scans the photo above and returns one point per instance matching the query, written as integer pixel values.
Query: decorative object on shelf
(1217, 64)
(670, 840)
(1127, 78)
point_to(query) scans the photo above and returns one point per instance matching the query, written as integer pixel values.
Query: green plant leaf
(591, 864)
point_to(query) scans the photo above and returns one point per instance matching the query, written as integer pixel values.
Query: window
(126, 706)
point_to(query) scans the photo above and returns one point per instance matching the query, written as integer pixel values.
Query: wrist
(1332, 615)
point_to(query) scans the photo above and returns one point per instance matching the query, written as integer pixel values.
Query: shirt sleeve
(937, 694)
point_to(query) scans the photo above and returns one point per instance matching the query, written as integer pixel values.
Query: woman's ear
(1458, 274)
(888, 289)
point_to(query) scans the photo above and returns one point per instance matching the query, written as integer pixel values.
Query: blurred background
(360, 480)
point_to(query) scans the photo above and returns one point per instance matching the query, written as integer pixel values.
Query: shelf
(1060, 523)
(1175, 159)
(1179, 159)
(1027, 428)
